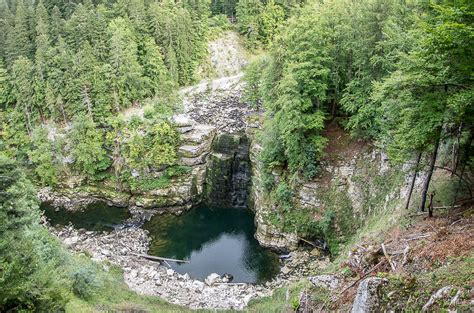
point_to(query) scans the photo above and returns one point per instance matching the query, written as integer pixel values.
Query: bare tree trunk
(413, 180)
(426, 185)
(28, 120)
(333, 108)
(464, 161)
(431, 205)
(456, 148)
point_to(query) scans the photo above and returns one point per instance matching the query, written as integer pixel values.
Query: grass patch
(282, 299)
(106, 291)
(410, 292)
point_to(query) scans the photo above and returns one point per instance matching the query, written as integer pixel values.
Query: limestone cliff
(355, 182)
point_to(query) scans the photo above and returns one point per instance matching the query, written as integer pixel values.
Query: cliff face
(228, 172)
(180, 193)
(355, 182)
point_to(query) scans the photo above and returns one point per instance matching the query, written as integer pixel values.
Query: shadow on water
(96, 216)
(214, 241)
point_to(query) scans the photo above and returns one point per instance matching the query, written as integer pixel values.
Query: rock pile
(122, 247)
(223, 109)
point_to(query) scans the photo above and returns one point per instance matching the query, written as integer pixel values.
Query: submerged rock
(227, 278)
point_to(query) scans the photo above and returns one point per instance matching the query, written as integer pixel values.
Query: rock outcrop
(357, 184)
(367, 298)
(228, 172)
(182, 192)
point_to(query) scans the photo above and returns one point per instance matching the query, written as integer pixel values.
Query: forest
(397, 73)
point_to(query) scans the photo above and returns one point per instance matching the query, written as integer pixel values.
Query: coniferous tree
(29, 257)
(22, 33)
(154, 69)
(43, 47)
(22, 81)
(127, 79)
(5, 87)
(56, 25)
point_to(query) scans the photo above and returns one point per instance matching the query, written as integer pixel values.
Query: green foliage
(150, 183)
(180, 36)
(44, 154)
(59, 61)
(127, 74)
(270, 18)
(259, 20)
(84, 283)
(151, 146)
(400, 71)
(253, 78)
(28, 255)
(283, 196)
(38, 275)
(161, 145)
(87, 151)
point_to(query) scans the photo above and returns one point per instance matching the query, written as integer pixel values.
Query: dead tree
(413, 180)
(426, 184)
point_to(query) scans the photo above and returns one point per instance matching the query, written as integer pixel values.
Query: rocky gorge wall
(228, 172)
(179, 194)
(355, 182)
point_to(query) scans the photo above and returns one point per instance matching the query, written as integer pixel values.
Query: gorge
(249, 155)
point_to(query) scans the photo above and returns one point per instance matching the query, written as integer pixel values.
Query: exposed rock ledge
(152, 278)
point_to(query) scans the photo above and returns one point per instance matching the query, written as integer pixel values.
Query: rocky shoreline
(122, 246)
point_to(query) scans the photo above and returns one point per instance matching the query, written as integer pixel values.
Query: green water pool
(214, 240)
(96, 216)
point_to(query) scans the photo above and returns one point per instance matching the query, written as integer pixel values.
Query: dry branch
(157, 258)
(392, 265)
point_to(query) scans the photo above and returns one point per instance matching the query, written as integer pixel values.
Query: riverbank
(119, 247)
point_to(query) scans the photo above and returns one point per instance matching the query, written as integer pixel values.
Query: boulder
(367, 298)
(69, 242)
(227, 278)
(285, 270)
(325, 281)
(198, 285)
(182, 120)
(212, 279)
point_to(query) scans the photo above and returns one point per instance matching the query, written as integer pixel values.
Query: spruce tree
(23, 45)
(22, 80)
(127, 79)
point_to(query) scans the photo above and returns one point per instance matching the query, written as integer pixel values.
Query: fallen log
(157, 258)
(362, 277)
(392, 265)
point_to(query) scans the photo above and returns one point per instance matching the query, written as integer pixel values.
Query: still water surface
(96, 216)
(214, 241)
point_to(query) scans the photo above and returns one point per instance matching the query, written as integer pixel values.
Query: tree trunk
(456, 148)
(333, 108)
(431, 205)
(426, 185)
(465, 159)
(413, 180)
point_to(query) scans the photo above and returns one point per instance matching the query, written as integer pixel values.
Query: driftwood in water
(157, 258)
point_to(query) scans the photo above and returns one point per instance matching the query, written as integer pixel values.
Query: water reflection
(215, 241)
(96, 216)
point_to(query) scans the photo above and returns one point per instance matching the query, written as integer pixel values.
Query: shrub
(84, 283)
